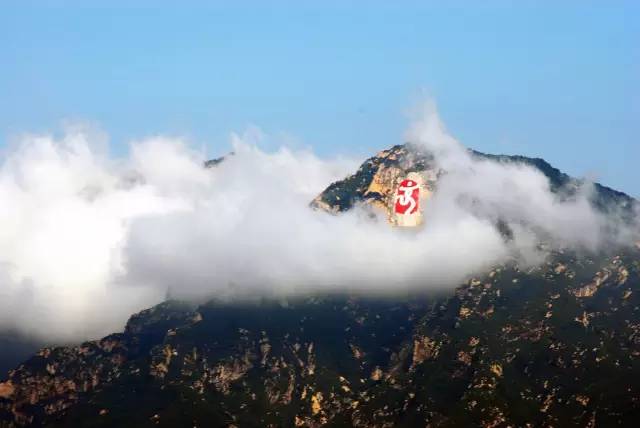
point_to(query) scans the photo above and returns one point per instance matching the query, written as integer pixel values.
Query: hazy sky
(541, 79)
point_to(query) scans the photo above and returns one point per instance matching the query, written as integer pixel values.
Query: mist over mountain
(520, 343)
(86, 239)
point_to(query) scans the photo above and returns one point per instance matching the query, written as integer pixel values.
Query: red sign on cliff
(407, 197)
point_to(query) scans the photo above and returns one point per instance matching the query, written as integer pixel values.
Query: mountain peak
(377, 178)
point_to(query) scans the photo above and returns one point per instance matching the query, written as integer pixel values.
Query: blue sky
(558, 80)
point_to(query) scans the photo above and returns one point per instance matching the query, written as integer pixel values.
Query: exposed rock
(586, 291)
(160, 367)
(496, 369)
(560, 268)
(316, 403)
(464, 312)
(225, 373)
(591, 288)
(377, 374)
(424, 349)
(623, 275)
(6, 390)
(357, 352)
(582, 399)
(464, 358)
(583, 319)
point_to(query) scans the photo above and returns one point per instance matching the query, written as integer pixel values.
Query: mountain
(557, 344)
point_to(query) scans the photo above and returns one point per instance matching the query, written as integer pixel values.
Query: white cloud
(86, 240)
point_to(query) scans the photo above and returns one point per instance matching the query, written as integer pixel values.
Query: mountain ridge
(408, 157)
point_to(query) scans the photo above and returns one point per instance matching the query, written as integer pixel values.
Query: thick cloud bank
(86, 240)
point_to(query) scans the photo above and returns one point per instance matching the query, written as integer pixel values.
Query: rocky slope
(557, 345)
(554, 345)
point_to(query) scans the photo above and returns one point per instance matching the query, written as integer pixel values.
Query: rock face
(554, 345)
(6, 390)
(377, 181)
